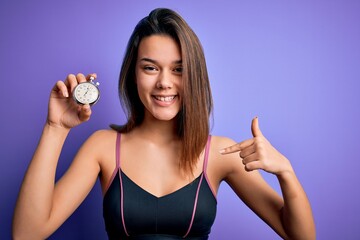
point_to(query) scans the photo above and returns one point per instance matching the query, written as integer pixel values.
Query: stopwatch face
(86, 93)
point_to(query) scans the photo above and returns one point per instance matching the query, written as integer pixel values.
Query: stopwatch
(87, 92)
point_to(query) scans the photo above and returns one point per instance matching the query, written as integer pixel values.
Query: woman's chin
(165, 117)
(162, 114)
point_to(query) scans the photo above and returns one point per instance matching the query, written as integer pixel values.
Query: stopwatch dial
(86, 93)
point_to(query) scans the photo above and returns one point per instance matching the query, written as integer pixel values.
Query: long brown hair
(193, 119)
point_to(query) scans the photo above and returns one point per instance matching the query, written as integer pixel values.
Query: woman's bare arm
(43, 206)
(290, 216)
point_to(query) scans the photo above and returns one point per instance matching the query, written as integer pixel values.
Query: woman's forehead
(159, 48)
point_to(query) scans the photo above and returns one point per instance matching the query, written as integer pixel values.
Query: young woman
(160, 172)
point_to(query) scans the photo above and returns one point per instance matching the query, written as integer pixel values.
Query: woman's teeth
(164, 99)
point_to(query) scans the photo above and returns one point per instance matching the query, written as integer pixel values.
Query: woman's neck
(157, 130)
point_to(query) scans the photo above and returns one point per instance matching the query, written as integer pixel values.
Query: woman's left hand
(258, 153)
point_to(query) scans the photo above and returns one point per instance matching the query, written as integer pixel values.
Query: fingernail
(222, 151)
(66, 94)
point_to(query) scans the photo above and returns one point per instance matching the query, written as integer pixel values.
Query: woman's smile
(165, 100)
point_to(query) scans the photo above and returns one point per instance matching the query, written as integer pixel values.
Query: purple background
(294, 64)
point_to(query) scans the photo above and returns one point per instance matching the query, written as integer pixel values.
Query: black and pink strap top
(130, 212)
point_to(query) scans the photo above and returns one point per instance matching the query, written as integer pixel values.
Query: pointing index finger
(231, 149)
(237, 147)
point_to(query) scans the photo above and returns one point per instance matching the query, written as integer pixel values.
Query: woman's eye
(149, 68)
(178, 69)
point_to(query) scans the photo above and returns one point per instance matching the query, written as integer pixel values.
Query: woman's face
(159, 77)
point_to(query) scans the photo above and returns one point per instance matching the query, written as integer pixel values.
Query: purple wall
(294, 64)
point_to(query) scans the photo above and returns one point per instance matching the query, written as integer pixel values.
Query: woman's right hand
(63, 111)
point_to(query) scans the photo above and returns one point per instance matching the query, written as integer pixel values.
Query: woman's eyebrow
(145, 59)
(148, 60)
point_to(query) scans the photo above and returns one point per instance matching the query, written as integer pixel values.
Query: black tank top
(130, 212)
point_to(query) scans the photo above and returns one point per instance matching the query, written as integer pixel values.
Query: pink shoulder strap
(118, 138)
(117, 159)
(206, 157)
(199, 185)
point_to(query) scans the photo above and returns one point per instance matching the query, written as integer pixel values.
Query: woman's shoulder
(221, 142)
(100, 145)
(102, 137)
(101, 133)
(223, 163)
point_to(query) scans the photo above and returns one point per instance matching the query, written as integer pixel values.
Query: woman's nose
(164, 80)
